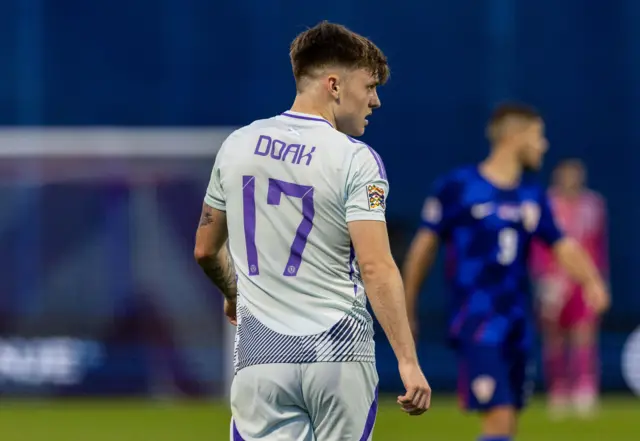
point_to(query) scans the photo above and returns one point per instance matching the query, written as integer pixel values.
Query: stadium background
(112, 113)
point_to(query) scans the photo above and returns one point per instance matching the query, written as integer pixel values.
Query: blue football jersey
(487, 232)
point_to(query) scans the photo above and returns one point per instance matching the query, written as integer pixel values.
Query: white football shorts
(335, 401)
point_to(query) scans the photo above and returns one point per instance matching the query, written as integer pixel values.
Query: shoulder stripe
(376, 156)
(381, 169)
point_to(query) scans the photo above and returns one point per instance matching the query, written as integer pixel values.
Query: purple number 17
(275, 191)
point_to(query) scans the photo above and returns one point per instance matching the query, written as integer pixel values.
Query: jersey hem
(352, 359)
(366, 216)
(213, 204)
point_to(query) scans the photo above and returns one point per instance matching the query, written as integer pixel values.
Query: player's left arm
(211, 253)
(573, 258)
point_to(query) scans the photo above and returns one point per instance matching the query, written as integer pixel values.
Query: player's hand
(597, 297)
(417, 399)
(551, 296)
(230, 311)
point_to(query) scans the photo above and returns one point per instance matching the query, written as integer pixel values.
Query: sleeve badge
(376, 197)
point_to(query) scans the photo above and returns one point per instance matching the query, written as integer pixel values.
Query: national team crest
(375, 195)
(530, 212)
(483, 387)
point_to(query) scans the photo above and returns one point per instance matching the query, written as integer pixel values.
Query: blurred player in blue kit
(486, 216)
(302, 205)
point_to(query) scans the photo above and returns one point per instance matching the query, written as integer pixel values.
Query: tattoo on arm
(218, 267)
(206, 218)
(221, 270)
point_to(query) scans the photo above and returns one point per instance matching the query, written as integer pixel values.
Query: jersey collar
(305, 117)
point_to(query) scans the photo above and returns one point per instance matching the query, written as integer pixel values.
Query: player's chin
(357, 131)
(363, 126)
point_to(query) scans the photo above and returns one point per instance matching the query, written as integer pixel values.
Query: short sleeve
(547, 230)
(215, 194)
(367, 187)
(441, 207)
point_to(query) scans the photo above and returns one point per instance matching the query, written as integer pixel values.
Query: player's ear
(333, 84)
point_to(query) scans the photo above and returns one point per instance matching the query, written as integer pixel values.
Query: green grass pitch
(77, 420)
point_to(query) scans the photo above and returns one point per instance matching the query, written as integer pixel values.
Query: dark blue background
(203, 62)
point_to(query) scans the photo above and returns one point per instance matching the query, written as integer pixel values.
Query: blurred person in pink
(569, 326)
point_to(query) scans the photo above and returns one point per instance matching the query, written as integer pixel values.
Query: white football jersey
(289, 185)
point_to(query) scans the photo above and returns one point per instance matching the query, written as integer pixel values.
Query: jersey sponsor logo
(483, 387)
(509, 212)
(530, 212)
(432, 210)
(375, 195)
(480, 211)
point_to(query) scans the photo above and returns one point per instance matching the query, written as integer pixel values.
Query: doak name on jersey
(281, 151)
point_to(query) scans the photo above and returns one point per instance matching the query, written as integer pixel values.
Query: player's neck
(307, 104)
(502, 170)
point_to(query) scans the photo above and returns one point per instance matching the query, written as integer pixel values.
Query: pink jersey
(583, 218)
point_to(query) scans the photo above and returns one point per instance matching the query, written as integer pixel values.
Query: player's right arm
(437, 213)
(366, 192)
(211, 237)
(383, 285)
